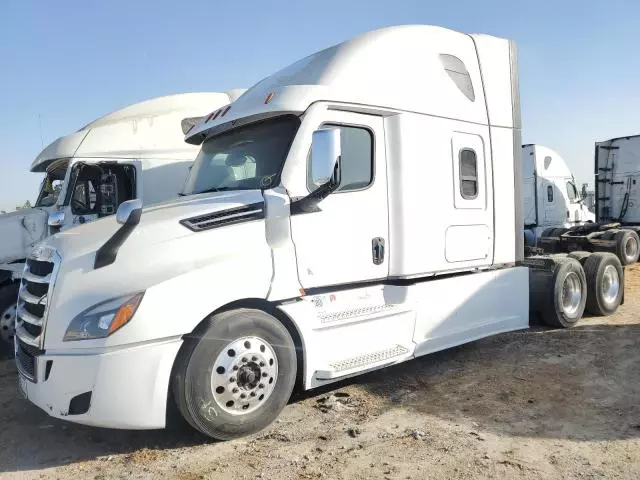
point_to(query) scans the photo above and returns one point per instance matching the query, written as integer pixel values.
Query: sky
(65, 63)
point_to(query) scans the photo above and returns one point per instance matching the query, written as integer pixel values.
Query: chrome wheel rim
(631, 248)
(244, 375)
(8, 324)
(571, 294)
(610, 284)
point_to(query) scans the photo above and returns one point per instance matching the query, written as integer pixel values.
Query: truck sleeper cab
(355, 210)
(551, 199)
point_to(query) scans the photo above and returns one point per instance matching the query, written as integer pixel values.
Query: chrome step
(362, 362)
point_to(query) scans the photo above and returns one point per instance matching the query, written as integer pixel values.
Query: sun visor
(63, 147)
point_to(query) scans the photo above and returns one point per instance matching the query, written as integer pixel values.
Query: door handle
(377, 250)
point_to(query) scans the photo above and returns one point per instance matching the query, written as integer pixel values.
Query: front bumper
(125, 388)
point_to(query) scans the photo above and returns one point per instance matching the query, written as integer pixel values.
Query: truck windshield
(247, 158)
(49, 191)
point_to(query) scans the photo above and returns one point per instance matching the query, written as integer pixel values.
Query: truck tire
(627, 246)
(580, 256)
(567, 294)
(234, 375)
(605, 283)
(8, 305)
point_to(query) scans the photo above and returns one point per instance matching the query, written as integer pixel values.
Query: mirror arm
(107, 253)
(309, 204)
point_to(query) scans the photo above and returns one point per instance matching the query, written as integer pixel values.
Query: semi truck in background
(134, 152)
(617, 208)
(551, 198)
(617, 172)
(340, 217)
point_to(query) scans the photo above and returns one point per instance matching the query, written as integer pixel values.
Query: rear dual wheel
(234, 376)
(627, 246)
(566, 298)
(605, 283)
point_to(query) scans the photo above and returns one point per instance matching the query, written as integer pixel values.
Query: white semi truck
(617, 172)
(134, 152)
(617, 209)
(354, 210)
(551, 198)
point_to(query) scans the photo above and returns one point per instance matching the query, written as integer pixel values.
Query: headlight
(103, 319)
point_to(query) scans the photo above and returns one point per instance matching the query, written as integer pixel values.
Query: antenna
(40, 125)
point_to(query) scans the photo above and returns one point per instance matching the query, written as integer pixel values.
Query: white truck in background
(551, 198)
(354, 210)
(617, 172)
(134, 152)
(617, 208)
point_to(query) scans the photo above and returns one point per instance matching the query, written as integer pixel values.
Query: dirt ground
(540, 403)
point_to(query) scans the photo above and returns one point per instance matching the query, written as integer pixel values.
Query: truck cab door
(575, 208)
(346, 240)
(86, 193)
(554, 204)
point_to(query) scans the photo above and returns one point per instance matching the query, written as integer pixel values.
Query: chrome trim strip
(25, 316)
(26, 337)
(28, 297)
(30, 277)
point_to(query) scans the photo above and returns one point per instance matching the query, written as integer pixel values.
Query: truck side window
(468, 174)
(572, 192)
(549, 194)
(356, 162)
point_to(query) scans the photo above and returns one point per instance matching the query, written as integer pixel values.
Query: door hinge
(377, 248)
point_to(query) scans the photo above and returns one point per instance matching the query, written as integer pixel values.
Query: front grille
(26, 356)
(39, 267)
(37, 289)
(34, 309)
(33, 299)
(33, 330)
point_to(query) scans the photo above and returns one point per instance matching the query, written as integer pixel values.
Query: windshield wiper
(212, 189)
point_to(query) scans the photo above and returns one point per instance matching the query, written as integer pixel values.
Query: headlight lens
(103, 319)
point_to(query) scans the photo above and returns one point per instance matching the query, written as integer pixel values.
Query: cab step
(341, 368)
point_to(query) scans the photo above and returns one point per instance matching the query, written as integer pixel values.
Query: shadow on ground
(582, 384)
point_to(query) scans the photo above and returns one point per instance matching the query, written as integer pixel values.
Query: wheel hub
(571, 294)
(248, 376)
(610, 284)
(8, 324)
(244, 375)
(631, 247)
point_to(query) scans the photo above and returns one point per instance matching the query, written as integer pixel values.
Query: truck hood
(162, 248)
(158, 224)
(20, 231)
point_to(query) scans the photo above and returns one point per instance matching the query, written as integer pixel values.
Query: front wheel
(235, 376)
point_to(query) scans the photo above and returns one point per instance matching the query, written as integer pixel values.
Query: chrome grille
(35, 290)
(26, 357)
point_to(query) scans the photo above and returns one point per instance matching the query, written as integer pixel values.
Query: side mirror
(129, 212)
(56, 219)
(325, 152)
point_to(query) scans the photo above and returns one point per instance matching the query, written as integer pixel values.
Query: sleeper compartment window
(468, 174)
